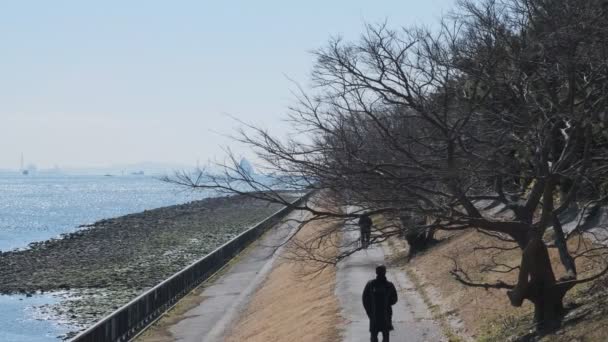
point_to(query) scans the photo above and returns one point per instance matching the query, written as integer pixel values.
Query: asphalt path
(411, 317)
(223, 298)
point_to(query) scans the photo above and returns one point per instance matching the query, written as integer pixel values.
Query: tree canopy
(504, 104)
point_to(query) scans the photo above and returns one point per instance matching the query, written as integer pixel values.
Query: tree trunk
(417, 238)
(537, 284)
(548, 309)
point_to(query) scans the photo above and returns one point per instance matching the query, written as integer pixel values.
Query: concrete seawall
(128, 320)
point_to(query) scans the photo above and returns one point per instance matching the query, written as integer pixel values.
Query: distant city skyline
(95, 84)
(31, 164)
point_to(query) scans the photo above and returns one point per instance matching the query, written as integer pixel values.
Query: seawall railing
(127, 321)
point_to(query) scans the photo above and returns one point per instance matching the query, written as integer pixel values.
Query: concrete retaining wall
(127, 321)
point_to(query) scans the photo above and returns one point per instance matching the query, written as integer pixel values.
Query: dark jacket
(378, 297)
(365, 222)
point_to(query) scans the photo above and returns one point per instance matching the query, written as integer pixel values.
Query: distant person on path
(365, 227)
(379, 296)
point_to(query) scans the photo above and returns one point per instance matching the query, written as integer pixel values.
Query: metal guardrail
(127, 321)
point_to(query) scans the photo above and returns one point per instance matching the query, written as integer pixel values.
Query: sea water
(22, 319)
(38, 207)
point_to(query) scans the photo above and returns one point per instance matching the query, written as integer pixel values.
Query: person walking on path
(365, 226)
(379, 296)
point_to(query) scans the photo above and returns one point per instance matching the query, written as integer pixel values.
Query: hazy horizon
(96, 84)
(133, 166)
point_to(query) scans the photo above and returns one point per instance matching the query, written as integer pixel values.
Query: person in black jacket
(365, 227)
(379, 296)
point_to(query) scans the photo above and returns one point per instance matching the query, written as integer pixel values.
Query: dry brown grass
(485, 313)
(295, 302)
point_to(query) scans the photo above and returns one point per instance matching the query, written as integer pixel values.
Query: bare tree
(504, 104)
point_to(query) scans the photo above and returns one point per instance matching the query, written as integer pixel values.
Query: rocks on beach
(106, 264)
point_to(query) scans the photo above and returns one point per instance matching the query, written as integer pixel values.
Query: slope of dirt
(486, 315)
(295, 303)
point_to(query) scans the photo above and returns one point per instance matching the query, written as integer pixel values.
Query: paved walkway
(223, 299)
(220, 301)
(411, 317)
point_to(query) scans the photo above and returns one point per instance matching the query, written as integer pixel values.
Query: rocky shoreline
(102, 266)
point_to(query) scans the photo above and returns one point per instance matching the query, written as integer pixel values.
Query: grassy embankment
(296, 302)
(486, 315)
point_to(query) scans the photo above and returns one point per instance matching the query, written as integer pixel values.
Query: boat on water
(24, 171)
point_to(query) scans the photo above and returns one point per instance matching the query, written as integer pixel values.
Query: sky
(100, 83)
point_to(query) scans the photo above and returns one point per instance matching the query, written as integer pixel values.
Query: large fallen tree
(504, 103)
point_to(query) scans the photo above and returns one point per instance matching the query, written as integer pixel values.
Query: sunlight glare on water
(39, 207)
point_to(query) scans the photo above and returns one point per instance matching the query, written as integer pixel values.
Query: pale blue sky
(91, 83)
